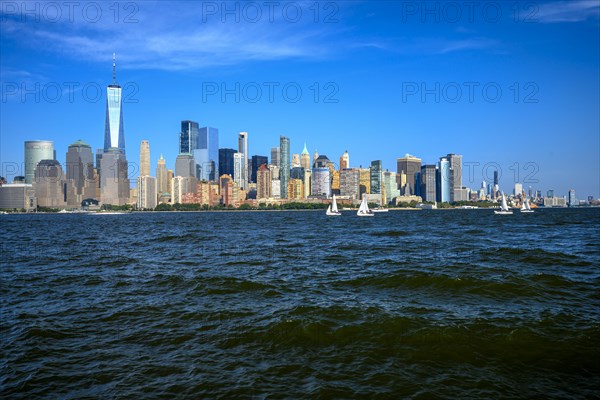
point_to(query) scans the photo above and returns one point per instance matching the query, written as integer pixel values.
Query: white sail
(334, 206)
(363, 210)
(523, 205)
(504, 205)
(527, 206)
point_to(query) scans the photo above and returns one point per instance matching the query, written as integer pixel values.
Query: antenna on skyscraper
(114, 70)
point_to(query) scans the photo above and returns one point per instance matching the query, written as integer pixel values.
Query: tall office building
(344, 161)
(284, 163)
(144, 158)
(226, 161)
(162, 179)
(114, 135)
(275, 156)
(36, 151)
(295, 189)
(428, 182)
(243, 149)
(185, 166)
(321, 182)
(81, 183)
(257, 161)
(114, 186)
(444, 181)
(206, 154)
(307, 182)
(376, 176)
(350, 183)
(146, 192)
(572, 198)
(49, 184)
(365, 181)
(409, 166)
(188, 137)
(238, 168)
(263, 182)
(456, 192)
(390, 186)
(495, 177)
(305, 158)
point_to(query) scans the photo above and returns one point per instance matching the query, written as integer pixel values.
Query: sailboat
(332, 209)
(504, 209)
(363, 210)
(525, 207)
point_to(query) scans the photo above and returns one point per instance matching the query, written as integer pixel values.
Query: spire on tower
(114, 70)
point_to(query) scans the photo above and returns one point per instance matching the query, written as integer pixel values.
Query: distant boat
(363, 210)
(380, 209)
(504, 209)
(525, 207)
(332, 209)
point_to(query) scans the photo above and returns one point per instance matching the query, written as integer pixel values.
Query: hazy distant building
(114, 186)
(390, 186)
(376, 176)
(572, 202)
(518, 190)
(350, 183)
(305, 158)
(146, 192)
(81, 179)
(162, 179)
(409, 166)
(296, 161)
(36, 151)
(275, 156)
(257, 161)
(242, 181)
(50, 185)
(185, 166)
(145, 158)
(284, 172)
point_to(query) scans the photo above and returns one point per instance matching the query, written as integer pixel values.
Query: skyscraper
(572, 199)
(321, 182)
(263, 182)
(162, 184)
(428, 182)
(188, 137)
(344, 161)
(275, 156)
(144, 158)
(296, 160)
(206, 154)
(114, 135)
(36, 151)
(349, 183)
(114, 186)
(81, 184)
(243, 149)
(444, 181)
(284, 172)
(226, 161)
(305, 158)
(147, 198)
(410, 166)
(185, 166)
(257, 161)
(456, 192)
(376, 176)
(49, 185)
(238, 168)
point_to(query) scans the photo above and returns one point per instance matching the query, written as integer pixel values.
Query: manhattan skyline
(386, 77)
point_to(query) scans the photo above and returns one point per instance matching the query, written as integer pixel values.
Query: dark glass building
(226, 161)
(257, 161)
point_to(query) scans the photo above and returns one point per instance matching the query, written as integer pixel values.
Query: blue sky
(513, 85)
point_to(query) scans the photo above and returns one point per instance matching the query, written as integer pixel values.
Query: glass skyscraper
(444, 181)
(206, 154)
(376, 176)
(114, 136)
(36, 151)
(284, 162)
(188, 137)
(226, 161)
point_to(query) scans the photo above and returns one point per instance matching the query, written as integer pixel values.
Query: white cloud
(567, 11)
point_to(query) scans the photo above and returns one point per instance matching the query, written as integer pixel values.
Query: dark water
(430, 304)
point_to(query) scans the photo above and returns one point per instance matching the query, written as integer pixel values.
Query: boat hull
(503, 212)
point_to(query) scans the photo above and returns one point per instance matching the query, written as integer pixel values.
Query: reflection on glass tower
(114, 136)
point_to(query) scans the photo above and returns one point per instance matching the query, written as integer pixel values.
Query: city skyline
(521, 139)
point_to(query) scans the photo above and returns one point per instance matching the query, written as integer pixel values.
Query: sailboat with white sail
(504, 210)
(525, 207)
(332, 209)
(363, 210)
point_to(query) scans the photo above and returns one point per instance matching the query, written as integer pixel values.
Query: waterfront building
(36, 151)
(457, 192)
(276, 188)
(181, 186)
(305, 158)
(390, 186)
(257, 161)
(146, 192)
(81, 179)
(295, 189)
(49, 184)
(572, 198)
(284, 172)
(428, 182)
(144, 158)
(335, 181)
(410, 166)
(365, 181)
(307, 182)
(17, 196)
(321, 182)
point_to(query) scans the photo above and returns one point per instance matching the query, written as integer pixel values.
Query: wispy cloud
(567, 11)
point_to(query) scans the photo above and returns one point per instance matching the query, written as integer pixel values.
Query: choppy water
(429, 304)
